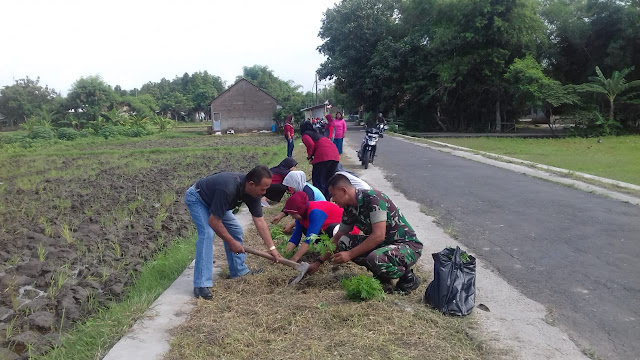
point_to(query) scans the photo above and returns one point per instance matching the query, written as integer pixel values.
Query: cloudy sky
(131, 42)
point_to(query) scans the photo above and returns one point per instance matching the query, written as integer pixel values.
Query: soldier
(389, 246)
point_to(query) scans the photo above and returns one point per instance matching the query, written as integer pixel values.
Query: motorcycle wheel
(365, 158)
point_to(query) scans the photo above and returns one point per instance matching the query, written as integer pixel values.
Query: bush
(68, 134)
(393, 128)
(12, 138)
(136, 132)
(109, 131)
(84, 133)
(41, 133)
(362, 288)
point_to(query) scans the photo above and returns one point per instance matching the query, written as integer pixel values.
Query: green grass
(615, 158)
(95, 337)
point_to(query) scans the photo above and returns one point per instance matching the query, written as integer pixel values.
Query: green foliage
(163, 123)
(41, 133)
(109, 131)
(281, 240)
(321, 244)
(90, 97)
(25, 99)
(363, 288)
(67, 134)
(611, 87)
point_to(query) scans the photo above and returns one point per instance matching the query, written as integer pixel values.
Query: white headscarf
(295, 179)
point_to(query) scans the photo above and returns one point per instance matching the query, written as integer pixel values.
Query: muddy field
(76, 226)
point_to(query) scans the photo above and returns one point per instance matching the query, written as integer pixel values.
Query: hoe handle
(265, 255)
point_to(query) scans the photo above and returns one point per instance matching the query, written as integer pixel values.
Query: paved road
(574, 252)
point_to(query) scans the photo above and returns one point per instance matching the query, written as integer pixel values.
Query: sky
(129, 43)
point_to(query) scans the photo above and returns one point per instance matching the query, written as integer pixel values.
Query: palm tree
(610, 87)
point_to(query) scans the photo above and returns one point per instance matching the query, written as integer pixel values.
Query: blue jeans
(338, 143)
(203, 270)
(289, 148)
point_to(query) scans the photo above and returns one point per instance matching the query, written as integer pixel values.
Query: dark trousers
(321, 173)
(289, 148)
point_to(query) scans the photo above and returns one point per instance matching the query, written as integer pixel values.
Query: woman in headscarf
(277, 190)
(312, 218)
(330, 130)
(296, 181)
(323, 154)
(288, 134)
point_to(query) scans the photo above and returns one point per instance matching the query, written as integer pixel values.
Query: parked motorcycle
(367, 150)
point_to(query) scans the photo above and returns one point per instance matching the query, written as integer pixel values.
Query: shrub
(68, 134)
(109, 131)
(86, 133)
(41, 133)
(362, 288)
(12, 138)
(136, 132)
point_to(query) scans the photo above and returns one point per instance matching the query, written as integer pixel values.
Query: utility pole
(316, 88)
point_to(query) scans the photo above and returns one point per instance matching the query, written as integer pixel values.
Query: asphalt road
(574, 252)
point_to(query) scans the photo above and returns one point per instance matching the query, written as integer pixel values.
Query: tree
(351, 32)
(612, 87)
(90, 97)
(25, 99)
(533, 89)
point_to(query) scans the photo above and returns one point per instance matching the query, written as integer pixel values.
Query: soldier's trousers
(387, 261)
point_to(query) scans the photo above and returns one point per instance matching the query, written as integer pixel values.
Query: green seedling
(58, 280)
(116, 249)
(67, 233)
(48, 228)
(157, 221)
(321, 244)
(363, 288)
(9, 329)
(42, 253)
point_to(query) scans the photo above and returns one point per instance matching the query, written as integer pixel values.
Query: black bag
(453, 289)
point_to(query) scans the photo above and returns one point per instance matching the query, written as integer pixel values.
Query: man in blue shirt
(211, 201)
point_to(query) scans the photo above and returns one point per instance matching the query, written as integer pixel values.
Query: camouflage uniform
(400, 248)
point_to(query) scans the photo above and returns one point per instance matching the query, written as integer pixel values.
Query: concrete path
(571, 251)
(149, 338)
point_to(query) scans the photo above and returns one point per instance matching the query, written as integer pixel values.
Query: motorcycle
(367, 150)
(381, 127)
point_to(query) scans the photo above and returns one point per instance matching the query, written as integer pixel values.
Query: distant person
(328, 132)
(210, 202)
(339, 128)
(389, 247)
(323, 154)
(288, 134)
(381, 119)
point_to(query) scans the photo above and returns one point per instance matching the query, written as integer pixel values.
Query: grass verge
(259, 317)
(614, 158)
(101, 331)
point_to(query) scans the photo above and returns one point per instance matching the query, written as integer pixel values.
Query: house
(243, 107)
(317, 111)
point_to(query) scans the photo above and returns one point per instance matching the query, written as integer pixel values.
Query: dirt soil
(74, 231)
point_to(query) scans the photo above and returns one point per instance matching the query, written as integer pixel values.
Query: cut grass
(259, 316)
(615, 158)
(95, 337)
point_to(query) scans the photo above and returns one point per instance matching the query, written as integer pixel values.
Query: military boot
(407, 282)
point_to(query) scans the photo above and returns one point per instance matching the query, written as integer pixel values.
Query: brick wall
(244, 108)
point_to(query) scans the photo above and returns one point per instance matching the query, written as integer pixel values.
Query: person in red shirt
(276, 191)
(312, 218)
(323, 154)
(288, 134)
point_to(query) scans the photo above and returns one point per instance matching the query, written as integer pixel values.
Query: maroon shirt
(322, 150)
